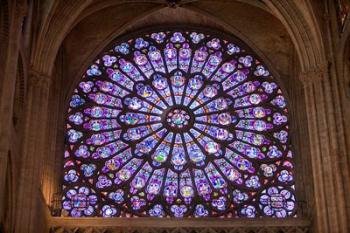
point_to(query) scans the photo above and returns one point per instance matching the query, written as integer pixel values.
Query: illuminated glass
(179, 124)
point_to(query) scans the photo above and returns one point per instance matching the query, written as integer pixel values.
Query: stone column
(52, 173)
(31, 216)
(9, 50)
(329, 213)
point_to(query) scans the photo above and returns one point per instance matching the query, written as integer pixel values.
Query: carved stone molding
(262, 229)
(177, 3)
(312, 76)
(38, 79)
(174, 225)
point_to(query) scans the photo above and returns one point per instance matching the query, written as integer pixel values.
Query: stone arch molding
(193, 16)
(303, 33)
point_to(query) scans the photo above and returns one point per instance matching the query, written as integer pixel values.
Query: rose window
(178, 124)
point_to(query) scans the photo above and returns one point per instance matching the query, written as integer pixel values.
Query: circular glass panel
(180, 124)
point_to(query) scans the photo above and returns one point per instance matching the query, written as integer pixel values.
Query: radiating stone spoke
(178, 124)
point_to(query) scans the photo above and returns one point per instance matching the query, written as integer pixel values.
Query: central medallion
(178, 119)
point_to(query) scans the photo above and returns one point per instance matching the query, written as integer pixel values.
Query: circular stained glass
(178, 124)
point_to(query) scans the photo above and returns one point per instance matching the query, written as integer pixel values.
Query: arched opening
(18, 103)
(7, 221)
(4, 40)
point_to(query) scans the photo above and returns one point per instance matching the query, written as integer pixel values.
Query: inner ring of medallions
(178, 118)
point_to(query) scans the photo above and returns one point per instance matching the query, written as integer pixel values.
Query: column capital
(313, 75)
(38, 79)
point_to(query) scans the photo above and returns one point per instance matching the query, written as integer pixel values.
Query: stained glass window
(178, 123)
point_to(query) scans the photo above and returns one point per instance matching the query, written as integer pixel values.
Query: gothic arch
(4, 41)
(294, 20)
(156, 17)
(19, 95)
(304, 32)
(310, 54)
(210, 20)
(9, 199)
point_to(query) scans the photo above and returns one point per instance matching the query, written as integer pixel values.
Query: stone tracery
(178, 123)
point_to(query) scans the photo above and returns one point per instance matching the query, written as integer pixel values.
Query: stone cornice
(245, 229)
(173, 223)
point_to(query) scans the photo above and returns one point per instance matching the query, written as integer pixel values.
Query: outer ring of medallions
(170, 128)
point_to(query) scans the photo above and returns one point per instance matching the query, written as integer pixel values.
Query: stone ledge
(288, 229)
(140, 223)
